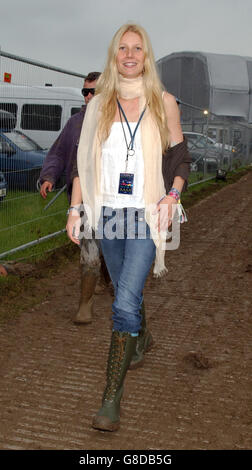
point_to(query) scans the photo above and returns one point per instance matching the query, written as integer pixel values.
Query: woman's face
(130, 56)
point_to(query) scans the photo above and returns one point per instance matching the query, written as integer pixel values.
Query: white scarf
(89, 157)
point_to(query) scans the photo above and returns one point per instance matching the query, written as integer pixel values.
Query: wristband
(174, 193)
(72, 208)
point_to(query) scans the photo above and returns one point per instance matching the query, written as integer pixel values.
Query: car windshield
(199, 141)
(22, 141)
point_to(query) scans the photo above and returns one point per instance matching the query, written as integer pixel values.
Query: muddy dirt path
(194, 391)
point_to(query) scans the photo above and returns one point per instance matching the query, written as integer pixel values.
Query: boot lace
(115, 362)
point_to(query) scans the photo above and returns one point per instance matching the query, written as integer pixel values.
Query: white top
(113, 162)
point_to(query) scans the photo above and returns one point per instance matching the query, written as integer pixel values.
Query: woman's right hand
(73, 226)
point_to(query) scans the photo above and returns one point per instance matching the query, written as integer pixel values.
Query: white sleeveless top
(113, 163)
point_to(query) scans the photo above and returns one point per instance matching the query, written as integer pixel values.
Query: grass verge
(202, 190)
(23, 220)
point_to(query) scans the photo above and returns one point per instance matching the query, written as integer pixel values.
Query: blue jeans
(128, 256)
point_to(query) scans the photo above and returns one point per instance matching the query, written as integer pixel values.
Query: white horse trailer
(40, 112)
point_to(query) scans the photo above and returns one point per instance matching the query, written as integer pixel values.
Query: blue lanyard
(131, 144)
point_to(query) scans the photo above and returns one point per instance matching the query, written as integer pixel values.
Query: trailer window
(10, 108)
(75, 111)
(41, 117)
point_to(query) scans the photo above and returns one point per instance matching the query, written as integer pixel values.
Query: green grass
(195, 177)
(23, 219)
(200, 191)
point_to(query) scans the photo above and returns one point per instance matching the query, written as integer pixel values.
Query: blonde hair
(108, 85)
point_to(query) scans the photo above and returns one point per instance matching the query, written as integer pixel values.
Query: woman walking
(128, 125)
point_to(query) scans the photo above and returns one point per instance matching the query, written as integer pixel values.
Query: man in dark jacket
(59, 159)
(63, 152)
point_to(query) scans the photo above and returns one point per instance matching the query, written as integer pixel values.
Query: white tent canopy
(220, 83)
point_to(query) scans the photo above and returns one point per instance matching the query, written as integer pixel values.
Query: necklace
(130, 145)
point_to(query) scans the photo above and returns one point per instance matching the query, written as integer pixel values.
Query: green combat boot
(122, 348)
(144, 343)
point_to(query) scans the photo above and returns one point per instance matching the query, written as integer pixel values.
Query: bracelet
(174, 193)
(72, 208)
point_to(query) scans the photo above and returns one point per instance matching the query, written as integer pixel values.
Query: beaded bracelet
(174, 193)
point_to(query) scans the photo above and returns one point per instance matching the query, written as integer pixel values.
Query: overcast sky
(75, 34)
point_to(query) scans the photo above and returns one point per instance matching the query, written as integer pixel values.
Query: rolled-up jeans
(128, 251)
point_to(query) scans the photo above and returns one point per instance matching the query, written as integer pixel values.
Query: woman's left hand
(73, 226)
(165, 213)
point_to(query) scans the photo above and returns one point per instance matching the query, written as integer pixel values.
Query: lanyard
(130, 150)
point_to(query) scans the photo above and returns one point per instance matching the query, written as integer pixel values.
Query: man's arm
(55, 161)
(62, 154)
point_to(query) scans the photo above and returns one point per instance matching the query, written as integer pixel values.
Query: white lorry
(40, 112)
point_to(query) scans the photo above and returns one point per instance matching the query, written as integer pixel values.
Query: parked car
(201, 140)
(206, 153)
(3, 187)
(21, 159)
(205, 156)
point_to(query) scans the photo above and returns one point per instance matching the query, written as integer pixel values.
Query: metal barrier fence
(215, 143)
(39, 113)
(37, 100)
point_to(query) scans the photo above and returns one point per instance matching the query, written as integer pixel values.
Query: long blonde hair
(108, 86)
